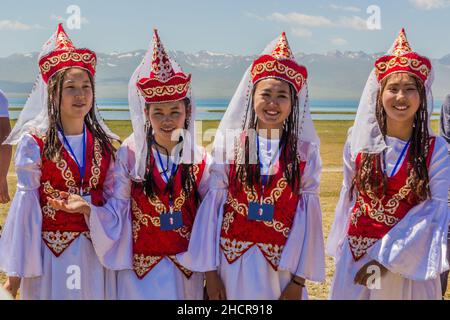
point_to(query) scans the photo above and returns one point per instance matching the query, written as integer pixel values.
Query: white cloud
(353, 22)
(17, 25)
(302, 33)
(296, 19)
(339, 41)
(345, 8)
(301, 19)
(430, 4)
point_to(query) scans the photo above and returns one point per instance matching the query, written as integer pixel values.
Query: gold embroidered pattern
(359, 245)
(141, 263)
(278, 227)
(95, 169)
(402, 62)
(274, 65)
(67, 176)
(271, 252)
(188, 273)
(227, 221)
(141, 218)
(160, 91)
(195, 170)
(242, 209)
(50, 62)
(251, 194)
(275, 194)
(160, 207)
(50, 191)
(233, 249)
(376, 210)
(184, 232)
(59, 241)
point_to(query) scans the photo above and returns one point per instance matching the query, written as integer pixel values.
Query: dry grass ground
(332, 135)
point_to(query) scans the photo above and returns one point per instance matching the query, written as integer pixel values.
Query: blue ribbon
(398, 160)
(81, 168)
(174, 168)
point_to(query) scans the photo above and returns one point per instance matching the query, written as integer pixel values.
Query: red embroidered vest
(373, 217)
(59, 228)
(238, 234)
(150, 243)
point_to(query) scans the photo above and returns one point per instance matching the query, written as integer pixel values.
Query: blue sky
(231, 26)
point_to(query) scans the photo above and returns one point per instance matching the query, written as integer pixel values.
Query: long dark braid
(370, 176)
(52, 146)
(249, 174)
(187, 169)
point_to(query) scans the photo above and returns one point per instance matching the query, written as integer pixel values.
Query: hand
(293, 291)
(12, 285)
(4, 195)
(363, 275)
(71, 203)
(214, 286)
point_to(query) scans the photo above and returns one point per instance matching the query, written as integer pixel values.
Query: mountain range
(332, 76)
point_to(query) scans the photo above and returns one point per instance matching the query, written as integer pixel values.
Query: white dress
(413, 251)
(77, 273)
(111, 232)
(251, 276)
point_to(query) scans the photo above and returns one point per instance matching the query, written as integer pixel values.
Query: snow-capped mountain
(334, 75)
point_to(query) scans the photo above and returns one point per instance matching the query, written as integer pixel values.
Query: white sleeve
(110, 225)
(304, 254)
(21, 241)
(203, 251)
(344, 206)
(204, 182)
(416, 247)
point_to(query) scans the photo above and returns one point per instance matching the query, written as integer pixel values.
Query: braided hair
(370, 176)
(249, 174)
(188, 179)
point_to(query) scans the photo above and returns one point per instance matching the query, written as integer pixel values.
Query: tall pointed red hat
(163, 84)
(65, 56)
(280, 64)
(403, 59)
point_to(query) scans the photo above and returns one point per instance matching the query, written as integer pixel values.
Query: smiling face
(165, 118)
(401, 99)
(272, 103)
(76, 95)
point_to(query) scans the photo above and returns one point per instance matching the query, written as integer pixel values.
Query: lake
(213, 109)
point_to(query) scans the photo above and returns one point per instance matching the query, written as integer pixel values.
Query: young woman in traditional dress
(64, 148)
(389, 234)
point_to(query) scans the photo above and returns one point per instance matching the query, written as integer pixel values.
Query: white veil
(34, 116)
(366, 134)
(232, 122)
(138, 120)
